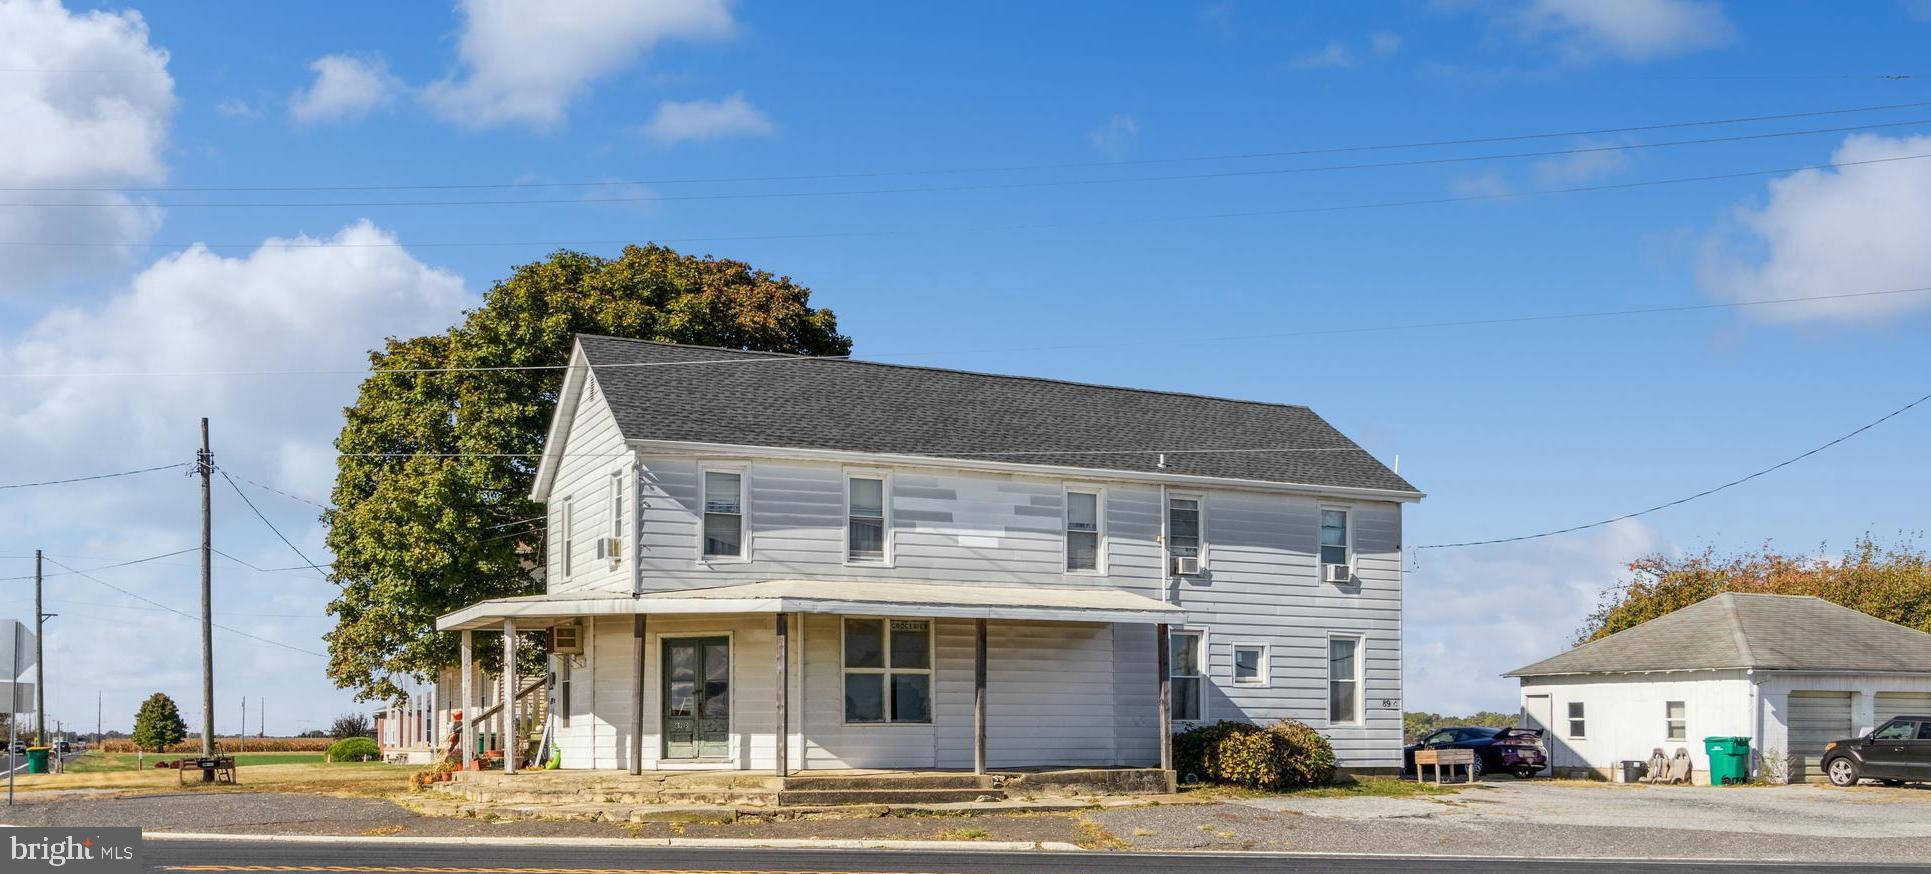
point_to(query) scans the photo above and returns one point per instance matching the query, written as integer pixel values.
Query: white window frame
(1099, 528)
(1347, 531)
(884, 478)
(1200, 674)
(743, 472)
(1677, 728)
(615, 511)
(567, 536)
(931, 656)
(1264, 677)
(1571, 720)
(1166, 528)
(1360, 679)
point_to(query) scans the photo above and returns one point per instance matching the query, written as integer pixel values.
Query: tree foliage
(431, 508)
(351, 725)
(158, 724)
(1892, 583)
(1415, 724)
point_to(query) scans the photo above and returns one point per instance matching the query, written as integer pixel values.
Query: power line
(1684, 500)
(147, 600)
(267, 570)
(82, 479)
(1035, 226)
(104, 567)
(941, 189)
(765, 358)
(269, 488)
(271, 526)
(866, 174)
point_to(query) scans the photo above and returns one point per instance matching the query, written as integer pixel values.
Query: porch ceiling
(860, 597)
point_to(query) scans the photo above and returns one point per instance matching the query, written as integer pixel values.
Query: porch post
(782, 736)
(509, 696)
(637, 695)
(1166, 700)
(979, 699)
(468, 702)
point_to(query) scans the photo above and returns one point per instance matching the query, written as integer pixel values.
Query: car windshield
(1445, 736)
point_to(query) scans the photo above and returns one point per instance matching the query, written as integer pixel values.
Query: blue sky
(1034, 239)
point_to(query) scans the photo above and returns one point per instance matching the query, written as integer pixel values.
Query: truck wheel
(1842, 771)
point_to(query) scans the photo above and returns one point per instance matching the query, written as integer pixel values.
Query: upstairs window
(865, 520)
(1577, 725)
(1336, 548)
(617, 504)
(568, 538)
(1344, 680)
(723, 514)
(1675, 724)
(1183, 527)
(1184, 684)
(888, 670)
(1082, 531)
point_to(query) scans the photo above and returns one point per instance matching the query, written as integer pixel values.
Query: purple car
(1516, 751)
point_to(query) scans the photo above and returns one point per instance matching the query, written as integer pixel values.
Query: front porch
(963, 687)
(764, 790)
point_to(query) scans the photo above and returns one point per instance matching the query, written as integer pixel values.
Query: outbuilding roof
(1745, 630)
(802, 402)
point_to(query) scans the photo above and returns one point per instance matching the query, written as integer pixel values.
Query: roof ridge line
(1736, 631)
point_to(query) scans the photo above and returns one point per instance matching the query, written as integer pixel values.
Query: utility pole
(97, 716)
(241, 731)
(40, 661)
(205, 464)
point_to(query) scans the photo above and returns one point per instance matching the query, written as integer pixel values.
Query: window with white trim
(1676, 724)
(1337, 547)
(865, 519)
(1344, 680)
(568, 536)
(1250, 664)
(723, 514)
(1183, 527)
(1082, 531)
(617, 504)
(1576, 722)
(1185, 686)
(888, 670)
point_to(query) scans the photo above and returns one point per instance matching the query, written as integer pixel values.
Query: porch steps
(833, 797)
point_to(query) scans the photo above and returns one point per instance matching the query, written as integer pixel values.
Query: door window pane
(864, 643)
(1186, 699)
(864, 697)
(911, 697)
(1185, 650)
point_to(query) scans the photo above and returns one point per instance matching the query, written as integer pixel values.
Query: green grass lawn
(98, 762)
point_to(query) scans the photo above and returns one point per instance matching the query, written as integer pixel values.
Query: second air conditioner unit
(611, 548)
(1338, 573)
(566, 639)
(1186, 565)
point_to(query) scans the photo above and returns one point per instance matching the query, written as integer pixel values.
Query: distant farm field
(246, 744)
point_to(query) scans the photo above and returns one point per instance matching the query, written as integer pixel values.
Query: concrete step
(830, 797)
(890, 781)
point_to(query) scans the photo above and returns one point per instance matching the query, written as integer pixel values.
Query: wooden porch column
(637, 695)
(509, 696)
(468, 699)
(783, 733)
(979, 698)
(1166, 695)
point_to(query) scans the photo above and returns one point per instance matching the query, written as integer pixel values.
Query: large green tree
(1892, 583)
(158, 724)
(431, 501)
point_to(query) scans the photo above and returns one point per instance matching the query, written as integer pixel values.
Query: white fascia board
(486, 614)
(1089, 474)
(566, 411)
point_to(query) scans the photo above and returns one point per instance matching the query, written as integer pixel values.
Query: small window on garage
(1576, 723)
(1674, 723)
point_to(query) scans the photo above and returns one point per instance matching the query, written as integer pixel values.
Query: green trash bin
(1729, 760)
(36, 760)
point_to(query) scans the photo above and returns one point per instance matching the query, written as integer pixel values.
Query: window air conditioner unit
(611, 548)
(1186, 565)
(1338, 573)
(566, 639)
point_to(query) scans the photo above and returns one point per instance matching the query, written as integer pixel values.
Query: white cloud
(87, 107)
(345, 87)
(1629, 30)
(1831, 231)
(1580, 168)
(526, 63)
(1478, 612)
(1116, 136)
(1335, 56)
(283, 306)
(235, 107)
(699, 120)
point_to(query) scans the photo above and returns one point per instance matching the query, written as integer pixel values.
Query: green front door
(697, 698)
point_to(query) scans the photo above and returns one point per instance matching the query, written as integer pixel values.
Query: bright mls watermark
(72, 850)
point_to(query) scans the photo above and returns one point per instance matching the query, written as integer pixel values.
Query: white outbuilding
(1791, 673)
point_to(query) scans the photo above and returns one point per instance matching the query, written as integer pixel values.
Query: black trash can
(1634, 771)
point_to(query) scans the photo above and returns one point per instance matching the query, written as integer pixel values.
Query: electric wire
(269, 488)
(271, 526)
(104, 567)
(227, 628)
(98, 476)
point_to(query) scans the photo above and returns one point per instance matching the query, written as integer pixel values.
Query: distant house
(1790, 673)
(767, 562)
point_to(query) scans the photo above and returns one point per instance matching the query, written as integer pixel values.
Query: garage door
(1816, 718)
(1890, 704)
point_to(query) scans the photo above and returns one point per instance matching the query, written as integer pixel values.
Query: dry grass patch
(358, 779)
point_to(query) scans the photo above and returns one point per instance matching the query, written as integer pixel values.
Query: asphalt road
(246, 856)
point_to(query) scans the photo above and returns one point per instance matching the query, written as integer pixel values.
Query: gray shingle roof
(836, 404)
(1738, 630)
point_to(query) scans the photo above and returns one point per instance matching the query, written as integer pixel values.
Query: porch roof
(947, 600)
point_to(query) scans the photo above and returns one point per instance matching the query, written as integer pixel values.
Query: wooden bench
(1452, 758)
(224, 768)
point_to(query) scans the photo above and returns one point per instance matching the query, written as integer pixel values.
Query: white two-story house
(769, 562)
